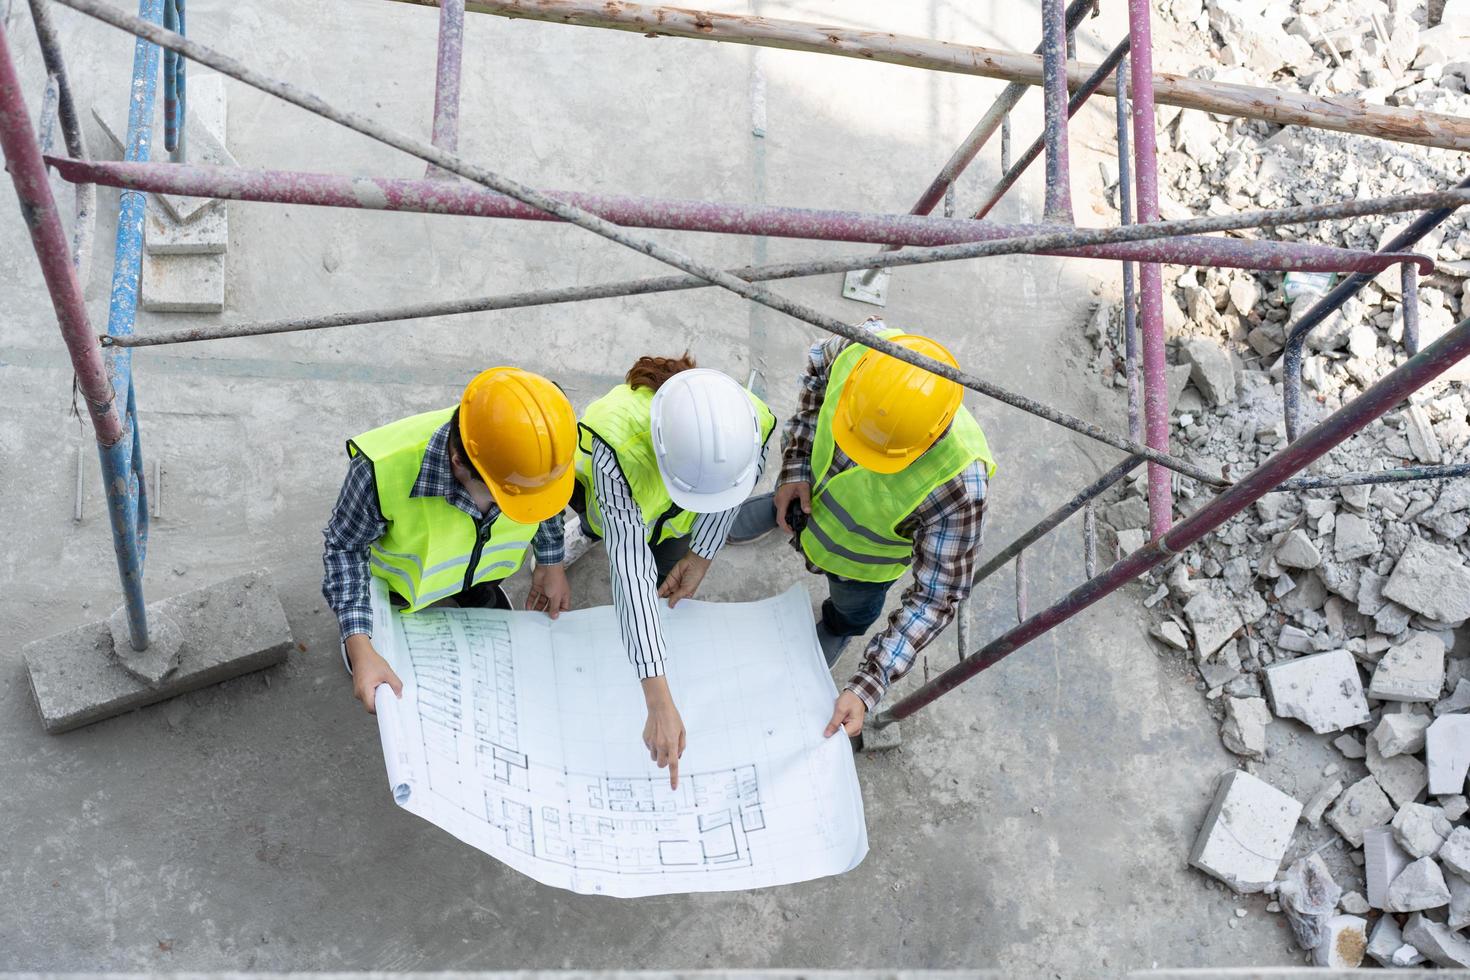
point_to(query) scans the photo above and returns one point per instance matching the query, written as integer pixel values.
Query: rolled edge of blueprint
(385, 703)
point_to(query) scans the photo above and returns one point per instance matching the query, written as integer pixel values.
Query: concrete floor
(1037, 820)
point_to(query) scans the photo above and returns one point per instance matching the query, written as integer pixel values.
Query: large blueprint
(523, 737)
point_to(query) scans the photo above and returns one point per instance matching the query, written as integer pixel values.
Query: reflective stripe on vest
(426, 551)
(853, 528)
(623, 419)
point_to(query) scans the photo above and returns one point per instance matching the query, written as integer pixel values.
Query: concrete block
(1296, 550)
(1244, 731)
(1344, 943)
(161, 658)
(1362, 807)
(1211, 369)
(1403, 777)
(1353, 537)
(1322, 691)
(228, 629)
(1447, 750)
(1418, 887)
(205, 137)
(1245, 833)
(1411, 671)
(1454, 806)
(1320, 801)
(1350, 746)
(1437, 942)
(207, 234)
(1432, 581)
(1383, 859)
(1455, 854)
(183, 283)
(1385, 939)
(1420, 829)
(1399, 733)
(1456, 702)
(1213, 621)
(1459, 901)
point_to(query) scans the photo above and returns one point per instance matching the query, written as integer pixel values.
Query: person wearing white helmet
(664, 461)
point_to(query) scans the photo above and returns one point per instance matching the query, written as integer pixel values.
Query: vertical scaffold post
(446, 80)
(1058, 206)
(114, 440)
(1125, 217)
(1151, 284)
(1410, 306)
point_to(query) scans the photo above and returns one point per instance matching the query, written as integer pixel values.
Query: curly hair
(651, 372)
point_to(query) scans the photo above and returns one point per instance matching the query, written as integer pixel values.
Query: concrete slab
(206, 143)
(227, 630)
(183, 283)
(207, 233)
(1246, 832)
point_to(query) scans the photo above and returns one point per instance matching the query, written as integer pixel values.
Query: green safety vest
(853, 528)
(623, 418)
(431, 549)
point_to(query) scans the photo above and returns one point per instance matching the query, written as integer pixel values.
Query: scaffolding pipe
(1382, 396)
(1151, 283)
(1291, 365)
(1409, 284)
(949, 238)
(1079, 98)
(446, 80)
(1044, 526)
(1125, 217)
(84, 225)
(581, 218)
(1403, 124)
(1058, 202)
(43, 221)
(1406, 474)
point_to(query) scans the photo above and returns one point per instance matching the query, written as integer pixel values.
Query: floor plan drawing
(522, 737)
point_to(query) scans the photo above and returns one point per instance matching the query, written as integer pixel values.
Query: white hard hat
(707, 440)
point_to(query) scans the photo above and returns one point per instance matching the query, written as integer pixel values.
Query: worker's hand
(663, 733)
(847, 715)
(550, 593)
(788, 492)
(684, 579)
(369, 669)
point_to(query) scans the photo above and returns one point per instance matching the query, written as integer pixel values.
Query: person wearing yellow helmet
(883, 469)
(443, 505)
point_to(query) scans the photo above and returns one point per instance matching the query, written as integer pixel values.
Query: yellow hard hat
(520, 433)
(890, 412)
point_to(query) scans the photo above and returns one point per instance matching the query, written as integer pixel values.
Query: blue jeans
(852, 606)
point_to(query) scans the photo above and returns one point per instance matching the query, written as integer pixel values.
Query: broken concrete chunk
(1213, 621)
(1295, 639)
(1383, 859)
(1447, 749)
(1362, 808)
(1399, 733)
(1244, 731)
(1169, 634)
(1419, 886)
(1308, 896)
(1411, 671)
(1422, 440)
(1130, 512)
(1459, 901)
(1384, 940)
(1353, 537)
(1320, 801)
(1353, 903)
(1432, 581)
(1211, 369)
(1370, 592)
(1402, 777)
(1344, 943)
(1350, 746)
(1437, 942)
(1322, 691)
(1455, 853)
(1456, 702)
(1420, 829)
(1296, 550)
(1245, 832)
(1454, 806)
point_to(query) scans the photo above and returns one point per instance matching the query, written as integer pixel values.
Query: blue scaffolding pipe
(122, 463)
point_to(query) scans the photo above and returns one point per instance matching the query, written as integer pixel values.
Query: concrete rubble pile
(1324, 629)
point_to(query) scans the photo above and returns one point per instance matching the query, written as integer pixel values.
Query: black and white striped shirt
(630, 560)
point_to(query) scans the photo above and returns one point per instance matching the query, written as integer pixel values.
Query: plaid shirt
(357, 522)
(946, 530)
